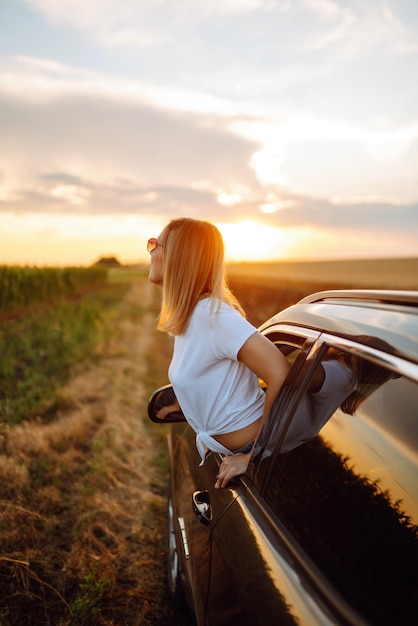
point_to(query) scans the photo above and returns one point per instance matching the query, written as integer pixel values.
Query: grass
(127, 274)
(88, 601)
(39, 351)
(83, 491)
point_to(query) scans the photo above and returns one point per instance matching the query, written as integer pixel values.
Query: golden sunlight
(58, 240)
(252, 241)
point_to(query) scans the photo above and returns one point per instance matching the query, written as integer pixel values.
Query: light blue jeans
(245, 449)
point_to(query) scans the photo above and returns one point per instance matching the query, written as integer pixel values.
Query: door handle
(202, 506)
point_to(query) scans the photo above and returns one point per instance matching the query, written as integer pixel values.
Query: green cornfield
(50, 321)
(23, 287)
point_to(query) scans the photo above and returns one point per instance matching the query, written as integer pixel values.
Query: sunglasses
(152, 244)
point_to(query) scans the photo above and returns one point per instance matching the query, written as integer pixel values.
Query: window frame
(301, 338)
(393, 362)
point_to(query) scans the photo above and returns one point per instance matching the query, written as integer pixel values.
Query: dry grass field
(82, 490)
(361, 274)
(82, 486)
(266, 288)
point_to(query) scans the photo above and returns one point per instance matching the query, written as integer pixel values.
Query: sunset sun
(250, 240)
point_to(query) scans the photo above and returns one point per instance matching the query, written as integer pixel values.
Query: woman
(217, 354)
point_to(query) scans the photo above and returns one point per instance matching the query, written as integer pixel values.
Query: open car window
(296, 346)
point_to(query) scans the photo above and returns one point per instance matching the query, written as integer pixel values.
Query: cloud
(84, 143)
(41, 81)
(272, 54)
(317, 24)
(303, 211)
(328, 157)
(88, 153)
(35, 80)
(80, 124)
(148, 23)
(358, 26)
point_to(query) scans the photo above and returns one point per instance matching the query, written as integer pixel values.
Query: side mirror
(163, 396)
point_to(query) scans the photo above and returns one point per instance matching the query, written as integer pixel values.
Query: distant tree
(107, 261)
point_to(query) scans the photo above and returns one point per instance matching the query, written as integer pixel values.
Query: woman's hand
(231, 466)
(166, 410)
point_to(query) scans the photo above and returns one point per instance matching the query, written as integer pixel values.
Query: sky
(291, 124)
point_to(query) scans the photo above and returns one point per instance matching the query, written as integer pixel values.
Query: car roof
(391, 316)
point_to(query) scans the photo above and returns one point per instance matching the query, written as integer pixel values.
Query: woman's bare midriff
(239, 438)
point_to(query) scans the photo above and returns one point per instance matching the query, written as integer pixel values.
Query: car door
(249, 581)
(192, 485)
(194, 510)
(347, 498)
(224, 562)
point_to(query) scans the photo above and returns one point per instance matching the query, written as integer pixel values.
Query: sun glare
(252, 241)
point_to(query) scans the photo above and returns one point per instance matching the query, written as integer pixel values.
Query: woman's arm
(268, 363)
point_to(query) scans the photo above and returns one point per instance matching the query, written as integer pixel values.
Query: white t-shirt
(217, 393)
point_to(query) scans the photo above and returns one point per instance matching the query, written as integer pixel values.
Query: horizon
(230, 263)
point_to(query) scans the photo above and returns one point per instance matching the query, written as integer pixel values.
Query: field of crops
(46, 327)
(22, 287)
(401, 273)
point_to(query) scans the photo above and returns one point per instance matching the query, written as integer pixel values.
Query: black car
(322, 527)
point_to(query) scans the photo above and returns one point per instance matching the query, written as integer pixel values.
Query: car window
(298, 351)
(344, 483)
(294, 347)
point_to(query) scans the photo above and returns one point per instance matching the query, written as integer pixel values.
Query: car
(322, 527)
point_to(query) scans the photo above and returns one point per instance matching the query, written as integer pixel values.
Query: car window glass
(272, 427)
(289, 343)
(349, 494)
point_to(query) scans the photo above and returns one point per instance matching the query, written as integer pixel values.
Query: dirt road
(83, 493)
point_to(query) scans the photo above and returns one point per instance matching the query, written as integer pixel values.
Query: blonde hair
(193, 267)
